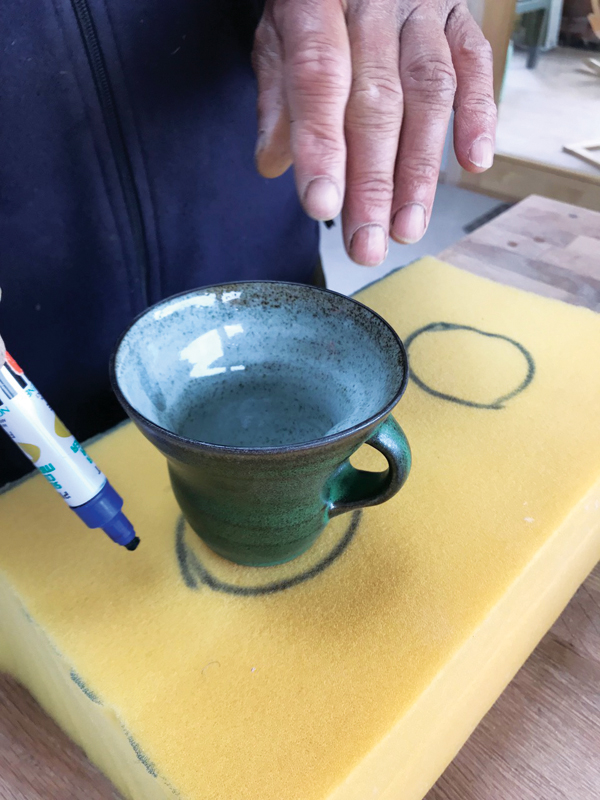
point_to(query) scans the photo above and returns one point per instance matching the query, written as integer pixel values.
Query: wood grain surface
(541, 740)
(37, 760)
(540, 245)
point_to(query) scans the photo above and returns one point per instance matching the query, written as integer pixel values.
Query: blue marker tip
(104, 511)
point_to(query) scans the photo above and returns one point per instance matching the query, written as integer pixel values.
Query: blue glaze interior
(259, 364)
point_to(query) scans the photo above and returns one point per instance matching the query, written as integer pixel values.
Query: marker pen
(30, 422)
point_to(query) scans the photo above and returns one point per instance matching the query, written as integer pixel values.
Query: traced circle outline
(194, 573)
(499, 403)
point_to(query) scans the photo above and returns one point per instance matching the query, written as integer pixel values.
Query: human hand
(358, 95)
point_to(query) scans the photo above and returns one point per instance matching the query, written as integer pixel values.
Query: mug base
(253, 556)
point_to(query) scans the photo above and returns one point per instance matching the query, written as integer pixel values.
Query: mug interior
(261, 364)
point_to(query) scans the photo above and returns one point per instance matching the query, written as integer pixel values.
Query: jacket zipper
(106, 97)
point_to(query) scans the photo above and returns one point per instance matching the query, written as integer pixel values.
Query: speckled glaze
(258, 393)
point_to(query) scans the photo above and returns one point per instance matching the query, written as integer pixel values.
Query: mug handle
(350, 488)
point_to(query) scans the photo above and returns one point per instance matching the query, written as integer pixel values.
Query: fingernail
(322, 199)
(369, 245)
(408, 225)
(482, 152)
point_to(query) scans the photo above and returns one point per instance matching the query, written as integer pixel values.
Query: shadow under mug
(258, 393)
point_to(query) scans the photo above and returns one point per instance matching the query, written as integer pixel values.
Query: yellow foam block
(359, 670)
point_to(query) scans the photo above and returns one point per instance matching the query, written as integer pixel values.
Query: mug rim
(208, 447)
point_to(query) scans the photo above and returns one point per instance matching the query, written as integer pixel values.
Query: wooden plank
(513, 179)
(539, 245)
(586, 151)
(594, 17)
(545, 277)
(472, 263)
(556, 218)
(497, 25)
(37, 760)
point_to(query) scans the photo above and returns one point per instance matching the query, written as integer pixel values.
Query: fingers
(429, 82)
(306, 77)
(273, 152)
(475, 109)
(373, 119)
(317, 81)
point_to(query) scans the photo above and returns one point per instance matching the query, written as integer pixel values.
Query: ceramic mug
(258, 393)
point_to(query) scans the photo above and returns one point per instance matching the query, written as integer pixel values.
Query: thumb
(273, 152)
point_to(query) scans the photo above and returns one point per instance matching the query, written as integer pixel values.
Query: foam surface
(358, 670)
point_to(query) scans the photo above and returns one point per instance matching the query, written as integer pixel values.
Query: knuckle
(258, 57)
(434, 77)
(483, 52)
(290, 12)
(260, 36)
(318, 68)
(378, 124)
(281, 11)
(373, 189)
(318, 141)
(375, 104)
(418, 170)
(377, 89)
(480, 103)
(263, 53)
(476, 50)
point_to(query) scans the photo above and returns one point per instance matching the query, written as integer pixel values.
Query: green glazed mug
(258, 394)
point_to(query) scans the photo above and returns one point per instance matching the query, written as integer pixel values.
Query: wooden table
(541, 740)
